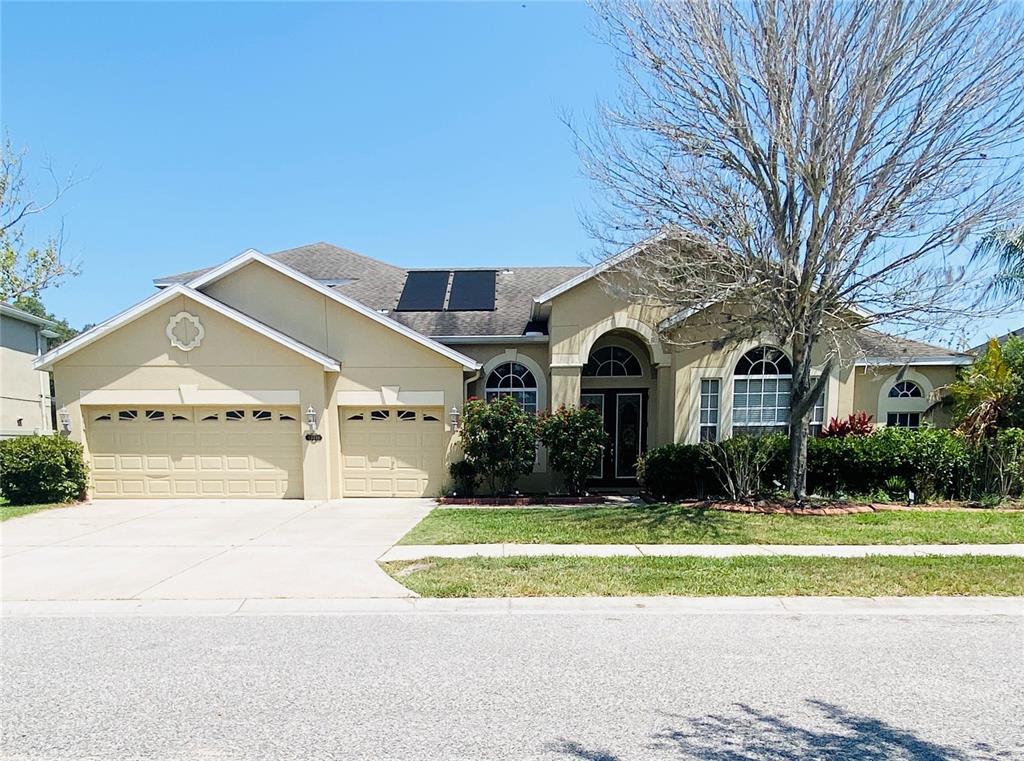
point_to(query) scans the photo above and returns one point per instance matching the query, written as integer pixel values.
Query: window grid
(515, 380)
(903, 420)
(612, 362)
(905, 390)
(709, 403)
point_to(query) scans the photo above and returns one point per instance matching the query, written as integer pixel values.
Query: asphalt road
(554, 686)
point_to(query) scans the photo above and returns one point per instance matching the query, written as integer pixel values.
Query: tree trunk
(805, 392)
(797, 482)
(801, 402)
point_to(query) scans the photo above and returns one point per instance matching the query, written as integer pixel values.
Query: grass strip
(8, 511)
(744, 576)
(685, 524)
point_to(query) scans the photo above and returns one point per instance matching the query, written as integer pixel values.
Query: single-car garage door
(392, 452)
(211, 452)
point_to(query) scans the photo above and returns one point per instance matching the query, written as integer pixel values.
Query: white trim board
(389, 396)
(913, 361)
(47, 361)
(252, 255)
(189, 395)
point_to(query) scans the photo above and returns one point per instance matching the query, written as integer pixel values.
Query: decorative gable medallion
(184, 331)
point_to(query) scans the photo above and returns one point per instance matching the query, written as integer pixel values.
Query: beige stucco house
(24, 390)
(320, 373)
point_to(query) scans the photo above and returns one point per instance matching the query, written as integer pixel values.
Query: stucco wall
(139, 357)
(872, 384)
(24, 392)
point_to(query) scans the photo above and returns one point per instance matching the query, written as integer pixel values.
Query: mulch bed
(836, 508)
(525, 501)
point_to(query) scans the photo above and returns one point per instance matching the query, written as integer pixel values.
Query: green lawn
(744, 576)
(677, 524)
(16, 511)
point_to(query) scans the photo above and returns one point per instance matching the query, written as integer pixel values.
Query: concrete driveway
(205, 550)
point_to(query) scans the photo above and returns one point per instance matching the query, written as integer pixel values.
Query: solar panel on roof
(424, 291)
(472, 290)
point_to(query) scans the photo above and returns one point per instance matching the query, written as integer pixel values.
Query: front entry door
(625, 421)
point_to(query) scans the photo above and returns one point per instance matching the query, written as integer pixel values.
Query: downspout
(465, 384)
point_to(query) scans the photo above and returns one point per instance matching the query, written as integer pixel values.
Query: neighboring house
(320, 373)
(1018, 333)
(24, 391)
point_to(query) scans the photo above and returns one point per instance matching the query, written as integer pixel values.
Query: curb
(787, 606)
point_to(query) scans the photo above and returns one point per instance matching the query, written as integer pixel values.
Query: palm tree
(1008, 246)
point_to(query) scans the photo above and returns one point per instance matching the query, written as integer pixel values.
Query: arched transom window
(905, 390)
(515, 380)
(612, 362)
(761, 391)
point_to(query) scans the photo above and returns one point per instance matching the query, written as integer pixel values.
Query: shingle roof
(876, 345)
(378, 285)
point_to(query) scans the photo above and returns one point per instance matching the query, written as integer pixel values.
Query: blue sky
(422, 134)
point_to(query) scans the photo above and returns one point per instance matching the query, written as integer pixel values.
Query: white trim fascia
(190, 395)
(597, 269)
(492, 339)
(390, 396)
(46, 361)
(20, 314)
(252, 255)
(913, 361)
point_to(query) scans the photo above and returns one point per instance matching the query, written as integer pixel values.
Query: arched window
(761, 389)
(612, 362)
(905, 389)
(515, 380)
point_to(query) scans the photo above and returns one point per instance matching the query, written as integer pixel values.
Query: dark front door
(625, 421)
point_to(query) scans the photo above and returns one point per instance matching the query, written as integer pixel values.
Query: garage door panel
(391, 452)
(104, 462)
(187, 452)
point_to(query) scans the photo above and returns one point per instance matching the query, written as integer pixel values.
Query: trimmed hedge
(675, 471)
(934, 463)
(42, 469)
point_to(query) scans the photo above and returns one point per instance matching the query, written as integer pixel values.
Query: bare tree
(26, 269)
(814, 167)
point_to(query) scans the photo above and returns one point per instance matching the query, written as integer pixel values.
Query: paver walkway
(418, 551)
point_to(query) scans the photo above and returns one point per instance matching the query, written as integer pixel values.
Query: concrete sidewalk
(419, 551)
(829, 606)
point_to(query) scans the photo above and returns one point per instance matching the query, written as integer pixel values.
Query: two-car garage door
(221, 452)
(211, 452)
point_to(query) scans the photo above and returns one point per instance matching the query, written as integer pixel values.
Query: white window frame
(717, 409)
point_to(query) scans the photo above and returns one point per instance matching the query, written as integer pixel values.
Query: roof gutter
(521, 339)
(912, 361)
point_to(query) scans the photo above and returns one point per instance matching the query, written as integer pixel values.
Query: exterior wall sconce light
(312, 435)
(64, 417)
(454, 417)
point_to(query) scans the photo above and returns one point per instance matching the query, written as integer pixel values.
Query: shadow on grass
(651, 520)
(751, 734)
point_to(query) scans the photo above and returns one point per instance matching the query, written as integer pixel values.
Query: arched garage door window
(515, 380)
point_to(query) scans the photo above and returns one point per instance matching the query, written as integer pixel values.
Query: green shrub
(40, 469)
(747, 466)
(674, 471)
(465, 477)
(931, 462)
(575, 439)
(1000, 465)
(500, 439)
